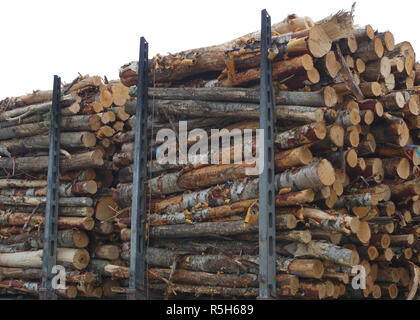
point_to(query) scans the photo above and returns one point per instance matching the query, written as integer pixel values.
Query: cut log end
(326, 173)
(360, 66)
(313, 75)
(105, 209)
(379, 47)
(363, 233)
(88, 140)
(330, 97)
(403, 168)
(80, 239)
(351, 158)
(389, 41)
(319, 43)
(370, 32)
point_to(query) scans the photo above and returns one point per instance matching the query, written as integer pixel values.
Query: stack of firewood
(346, 176)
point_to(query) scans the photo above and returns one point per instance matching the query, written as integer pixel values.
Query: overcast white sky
(46, 37)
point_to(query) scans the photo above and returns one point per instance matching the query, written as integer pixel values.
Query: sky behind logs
(46, 37)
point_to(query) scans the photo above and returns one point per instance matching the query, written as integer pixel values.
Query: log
(324, 251)
(212, 213)
(79, 188)
(393, 101)
(195, 108)
(397, 168)
(77, 258)
(388, 40)
(65, 239)
(370, 50)
(403, 190)
(35, 201)
(322, 98)
(313, 176)
(20, 219)
(373, 105)
(108, 252)
(287, 159)
(347, 158)
(36, 108)
(299, 136)
(295, 198)
(208, 229)
(376, 70)
(85, 160)
(363, 34)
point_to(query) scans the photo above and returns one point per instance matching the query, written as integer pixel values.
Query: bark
(404, 190)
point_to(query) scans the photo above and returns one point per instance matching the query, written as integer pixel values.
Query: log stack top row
(347, 110)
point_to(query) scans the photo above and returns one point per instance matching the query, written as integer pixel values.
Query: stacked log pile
(91, 116)
(346, 176)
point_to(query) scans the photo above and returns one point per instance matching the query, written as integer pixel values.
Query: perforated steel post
(138, 208)
(49, 254)
(267, 210)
